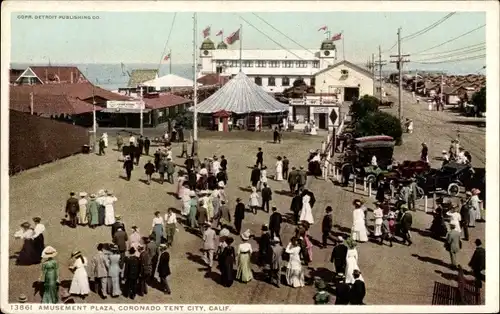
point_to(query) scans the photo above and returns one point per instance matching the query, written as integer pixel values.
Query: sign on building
(125, 104)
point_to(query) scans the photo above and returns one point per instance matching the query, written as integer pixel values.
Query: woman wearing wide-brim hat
(244, 272)
(50, 276)
(28, 254)
(80, 282)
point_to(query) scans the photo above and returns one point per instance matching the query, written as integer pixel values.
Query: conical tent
(241, 95)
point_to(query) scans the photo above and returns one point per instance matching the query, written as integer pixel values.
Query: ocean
(112, 76)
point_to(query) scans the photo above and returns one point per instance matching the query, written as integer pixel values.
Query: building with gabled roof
(41, 75)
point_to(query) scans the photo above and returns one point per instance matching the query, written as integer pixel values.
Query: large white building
(274, 70)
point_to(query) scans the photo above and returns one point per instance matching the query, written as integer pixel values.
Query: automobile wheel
(371, 178)
(420, 193)
(453, 189)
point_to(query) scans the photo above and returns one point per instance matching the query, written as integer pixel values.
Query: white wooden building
(274, 70)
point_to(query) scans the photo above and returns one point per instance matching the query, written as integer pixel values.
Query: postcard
(247, 157)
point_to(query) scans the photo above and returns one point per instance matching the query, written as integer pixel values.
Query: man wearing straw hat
(100, 266)
(276, 259)
(209, 245)
(339, 255)
(358, 289)
(163, 268)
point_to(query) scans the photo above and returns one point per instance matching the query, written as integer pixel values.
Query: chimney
(46, 76)
(71, 76)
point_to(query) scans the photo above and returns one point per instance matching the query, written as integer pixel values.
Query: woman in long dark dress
(438, 226)
(28, 254)
(226, 263)
(38, 239)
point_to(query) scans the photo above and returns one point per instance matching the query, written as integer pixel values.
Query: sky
(140, 37)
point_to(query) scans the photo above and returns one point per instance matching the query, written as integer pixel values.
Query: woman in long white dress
(351, 261)
(105, 139)
(279, 170)
(455, 218)
(109, 209)
(358, 231)
(294, 271)
(306, 212)
(186, 201)
(82, 203)
(80, 282)
(474, 202)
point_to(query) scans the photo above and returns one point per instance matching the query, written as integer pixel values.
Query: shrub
(363, 107)
(380, 123)
(479, 99)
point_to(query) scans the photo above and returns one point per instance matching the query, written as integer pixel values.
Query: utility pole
(142, 111)
(32, 109)
(380, 64)
(372, 68)
(415, 81)
(399, 64)
(194, 148)
(441, 93)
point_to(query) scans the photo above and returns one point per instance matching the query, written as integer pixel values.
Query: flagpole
(195, 87)
(170, 57)
(241, 44)
(328, 33)
(343, 46)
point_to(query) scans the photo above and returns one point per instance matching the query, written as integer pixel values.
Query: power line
(428, 28)
(168, 39)
(454, 54)
(268, 37)
(441, 52)
(455, 60)
(448, 41)
(298, 44)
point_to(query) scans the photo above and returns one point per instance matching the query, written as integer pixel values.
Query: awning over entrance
(113, 110)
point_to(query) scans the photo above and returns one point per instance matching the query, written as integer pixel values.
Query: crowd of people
(130, 262)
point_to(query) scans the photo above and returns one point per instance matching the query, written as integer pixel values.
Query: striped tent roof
(241, 95)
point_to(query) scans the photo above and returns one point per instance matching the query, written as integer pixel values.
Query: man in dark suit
(120, 239)
(260, 158)
(239, 215)
(131, 273)
(118, 224)
(302, 178)
(202, 218)
(293, 179)
(223, 163)
(147, 145)
(264, 246)
(296, 206)
(405, 225)
(478, 262)
(189, 163)
(140, 144)
(342, 292)
(267, 196)
(338, 258)
(72, 208)
(464, 223)
(275, 223)
(164, 268)
(255, 176)
(358, 289)
(286, 164)
(326, 225)
(146, 270)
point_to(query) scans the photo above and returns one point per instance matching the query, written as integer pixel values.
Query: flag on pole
(167, 57)
(337, 36)
(219, 33)
(206, 32)
(323, 28)
(233, 37)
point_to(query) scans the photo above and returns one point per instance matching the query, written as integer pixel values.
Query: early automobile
(357, 159)
(450, 178)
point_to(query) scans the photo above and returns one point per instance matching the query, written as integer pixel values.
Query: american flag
(206, 32)
(233, 37)
(323, 28)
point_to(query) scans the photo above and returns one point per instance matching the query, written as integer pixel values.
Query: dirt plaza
(393, 275)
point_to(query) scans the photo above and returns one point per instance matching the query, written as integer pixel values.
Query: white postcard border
(492, 143)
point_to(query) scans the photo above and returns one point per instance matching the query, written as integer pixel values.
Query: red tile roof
(58, 74)
(213, 79)
(50, 104)
(82, 91)
(14, 74)
(165, 101)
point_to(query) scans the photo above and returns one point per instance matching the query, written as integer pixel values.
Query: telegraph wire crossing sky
(141, 37)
